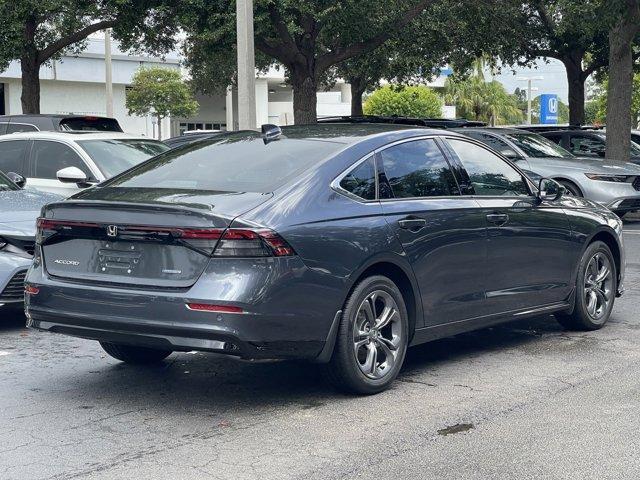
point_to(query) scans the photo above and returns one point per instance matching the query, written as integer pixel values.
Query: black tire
(344, 370)
(134, 354)
(572, 188)
(581, 318)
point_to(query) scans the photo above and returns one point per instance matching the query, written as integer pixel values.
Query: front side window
(488, 173)
(418, 169)
(12, 155)
(49, 157)
(587, 145)
(361, 181)
(117, 155)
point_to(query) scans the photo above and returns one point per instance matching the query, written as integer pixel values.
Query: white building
(76, 84)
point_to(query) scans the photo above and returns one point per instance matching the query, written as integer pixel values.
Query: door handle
(412, 223)
(498, 219)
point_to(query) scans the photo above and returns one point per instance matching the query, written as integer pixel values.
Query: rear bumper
(282, 317)
(202, 337)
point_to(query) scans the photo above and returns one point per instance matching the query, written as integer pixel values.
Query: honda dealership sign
(548, 108)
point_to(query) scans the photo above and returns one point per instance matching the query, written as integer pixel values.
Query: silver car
(615, 186)
(66, 162)
(19, 210)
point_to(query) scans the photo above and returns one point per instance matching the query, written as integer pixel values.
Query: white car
(64, 163)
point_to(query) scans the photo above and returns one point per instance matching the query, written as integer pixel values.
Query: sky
(554, 78)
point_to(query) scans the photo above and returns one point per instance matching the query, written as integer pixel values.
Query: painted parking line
(632, 232)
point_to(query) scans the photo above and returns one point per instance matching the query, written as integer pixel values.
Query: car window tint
(488, 173)
(11, 156)
(239, 162)
(537, 146)
(20, 127)
(361, 181)
(418, 169)
(49, 157)
(586, 145)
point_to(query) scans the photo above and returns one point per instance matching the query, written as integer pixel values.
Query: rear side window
(488, 173)
(418, 169)
(12, 156)
(361, 181)
(239, 162)
(586, 145)
(21, 127)
(49, 157)
(495, 143)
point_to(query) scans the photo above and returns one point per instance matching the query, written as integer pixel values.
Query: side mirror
(549, 190)
(18, 179)
(510, 154)
(72, 175)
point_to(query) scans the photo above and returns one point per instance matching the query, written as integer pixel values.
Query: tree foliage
(309, 37)
(599, 103)
(416, 102)
(160, 92)
(37, 31)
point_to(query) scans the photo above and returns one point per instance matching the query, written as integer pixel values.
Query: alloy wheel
(377, 334)
(598, 286)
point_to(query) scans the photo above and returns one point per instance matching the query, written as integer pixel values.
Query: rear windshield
(117, 155)
(236, 163)
(95, 124)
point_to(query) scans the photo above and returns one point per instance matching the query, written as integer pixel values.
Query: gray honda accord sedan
(340, 244)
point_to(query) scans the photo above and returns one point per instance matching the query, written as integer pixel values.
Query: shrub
(418, 101)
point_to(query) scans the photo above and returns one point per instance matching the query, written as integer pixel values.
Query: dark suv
(57, 123)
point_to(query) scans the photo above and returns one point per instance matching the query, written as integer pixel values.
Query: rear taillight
(219, 242)
(240, 242)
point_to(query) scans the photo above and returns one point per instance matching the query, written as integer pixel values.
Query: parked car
(635, 136)
(616, 187)
(59, 123)
(64, 163)
(341, 244)
(19, 210)
(587, 143)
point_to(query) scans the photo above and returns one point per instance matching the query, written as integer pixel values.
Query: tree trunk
(576, 79)
(30, 69)
(358, 87)
(304, 97)
(620, 86)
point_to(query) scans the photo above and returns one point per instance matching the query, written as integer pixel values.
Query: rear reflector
(206, 307)
(31, 290)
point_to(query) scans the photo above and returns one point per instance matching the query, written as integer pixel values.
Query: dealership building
(76, 84)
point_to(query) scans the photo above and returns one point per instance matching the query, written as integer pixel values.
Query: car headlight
(609, 178)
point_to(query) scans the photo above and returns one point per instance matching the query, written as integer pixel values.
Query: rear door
(442, 232)
(46, 159)
(530, 252)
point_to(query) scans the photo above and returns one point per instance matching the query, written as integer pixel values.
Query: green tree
(416, 102)
(308, 37)
(38, 31)
(477, 99)
(162, 93)
(572, 31)
(599, 104)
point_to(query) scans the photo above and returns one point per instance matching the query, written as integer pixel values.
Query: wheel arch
(568, 180)
(402, 275)
(609, 239)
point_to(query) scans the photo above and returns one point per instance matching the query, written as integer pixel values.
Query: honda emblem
(112, 231)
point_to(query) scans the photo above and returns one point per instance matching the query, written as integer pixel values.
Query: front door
(442, 232)
(530, 252)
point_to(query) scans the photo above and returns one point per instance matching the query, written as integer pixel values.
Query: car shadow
(193, 381)
(11, 319)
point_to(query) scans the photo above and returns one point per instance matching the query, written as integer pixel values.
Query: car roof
(350, 133)
(71, 136)
(494, 130)
(51, 115)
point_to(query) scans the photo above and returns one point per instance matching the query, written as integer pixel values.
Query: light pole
(246, 66)
(529, 89)
(107, 69)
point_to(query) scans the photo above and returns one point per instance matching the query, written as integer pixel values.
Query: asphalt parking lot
(526, 400)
